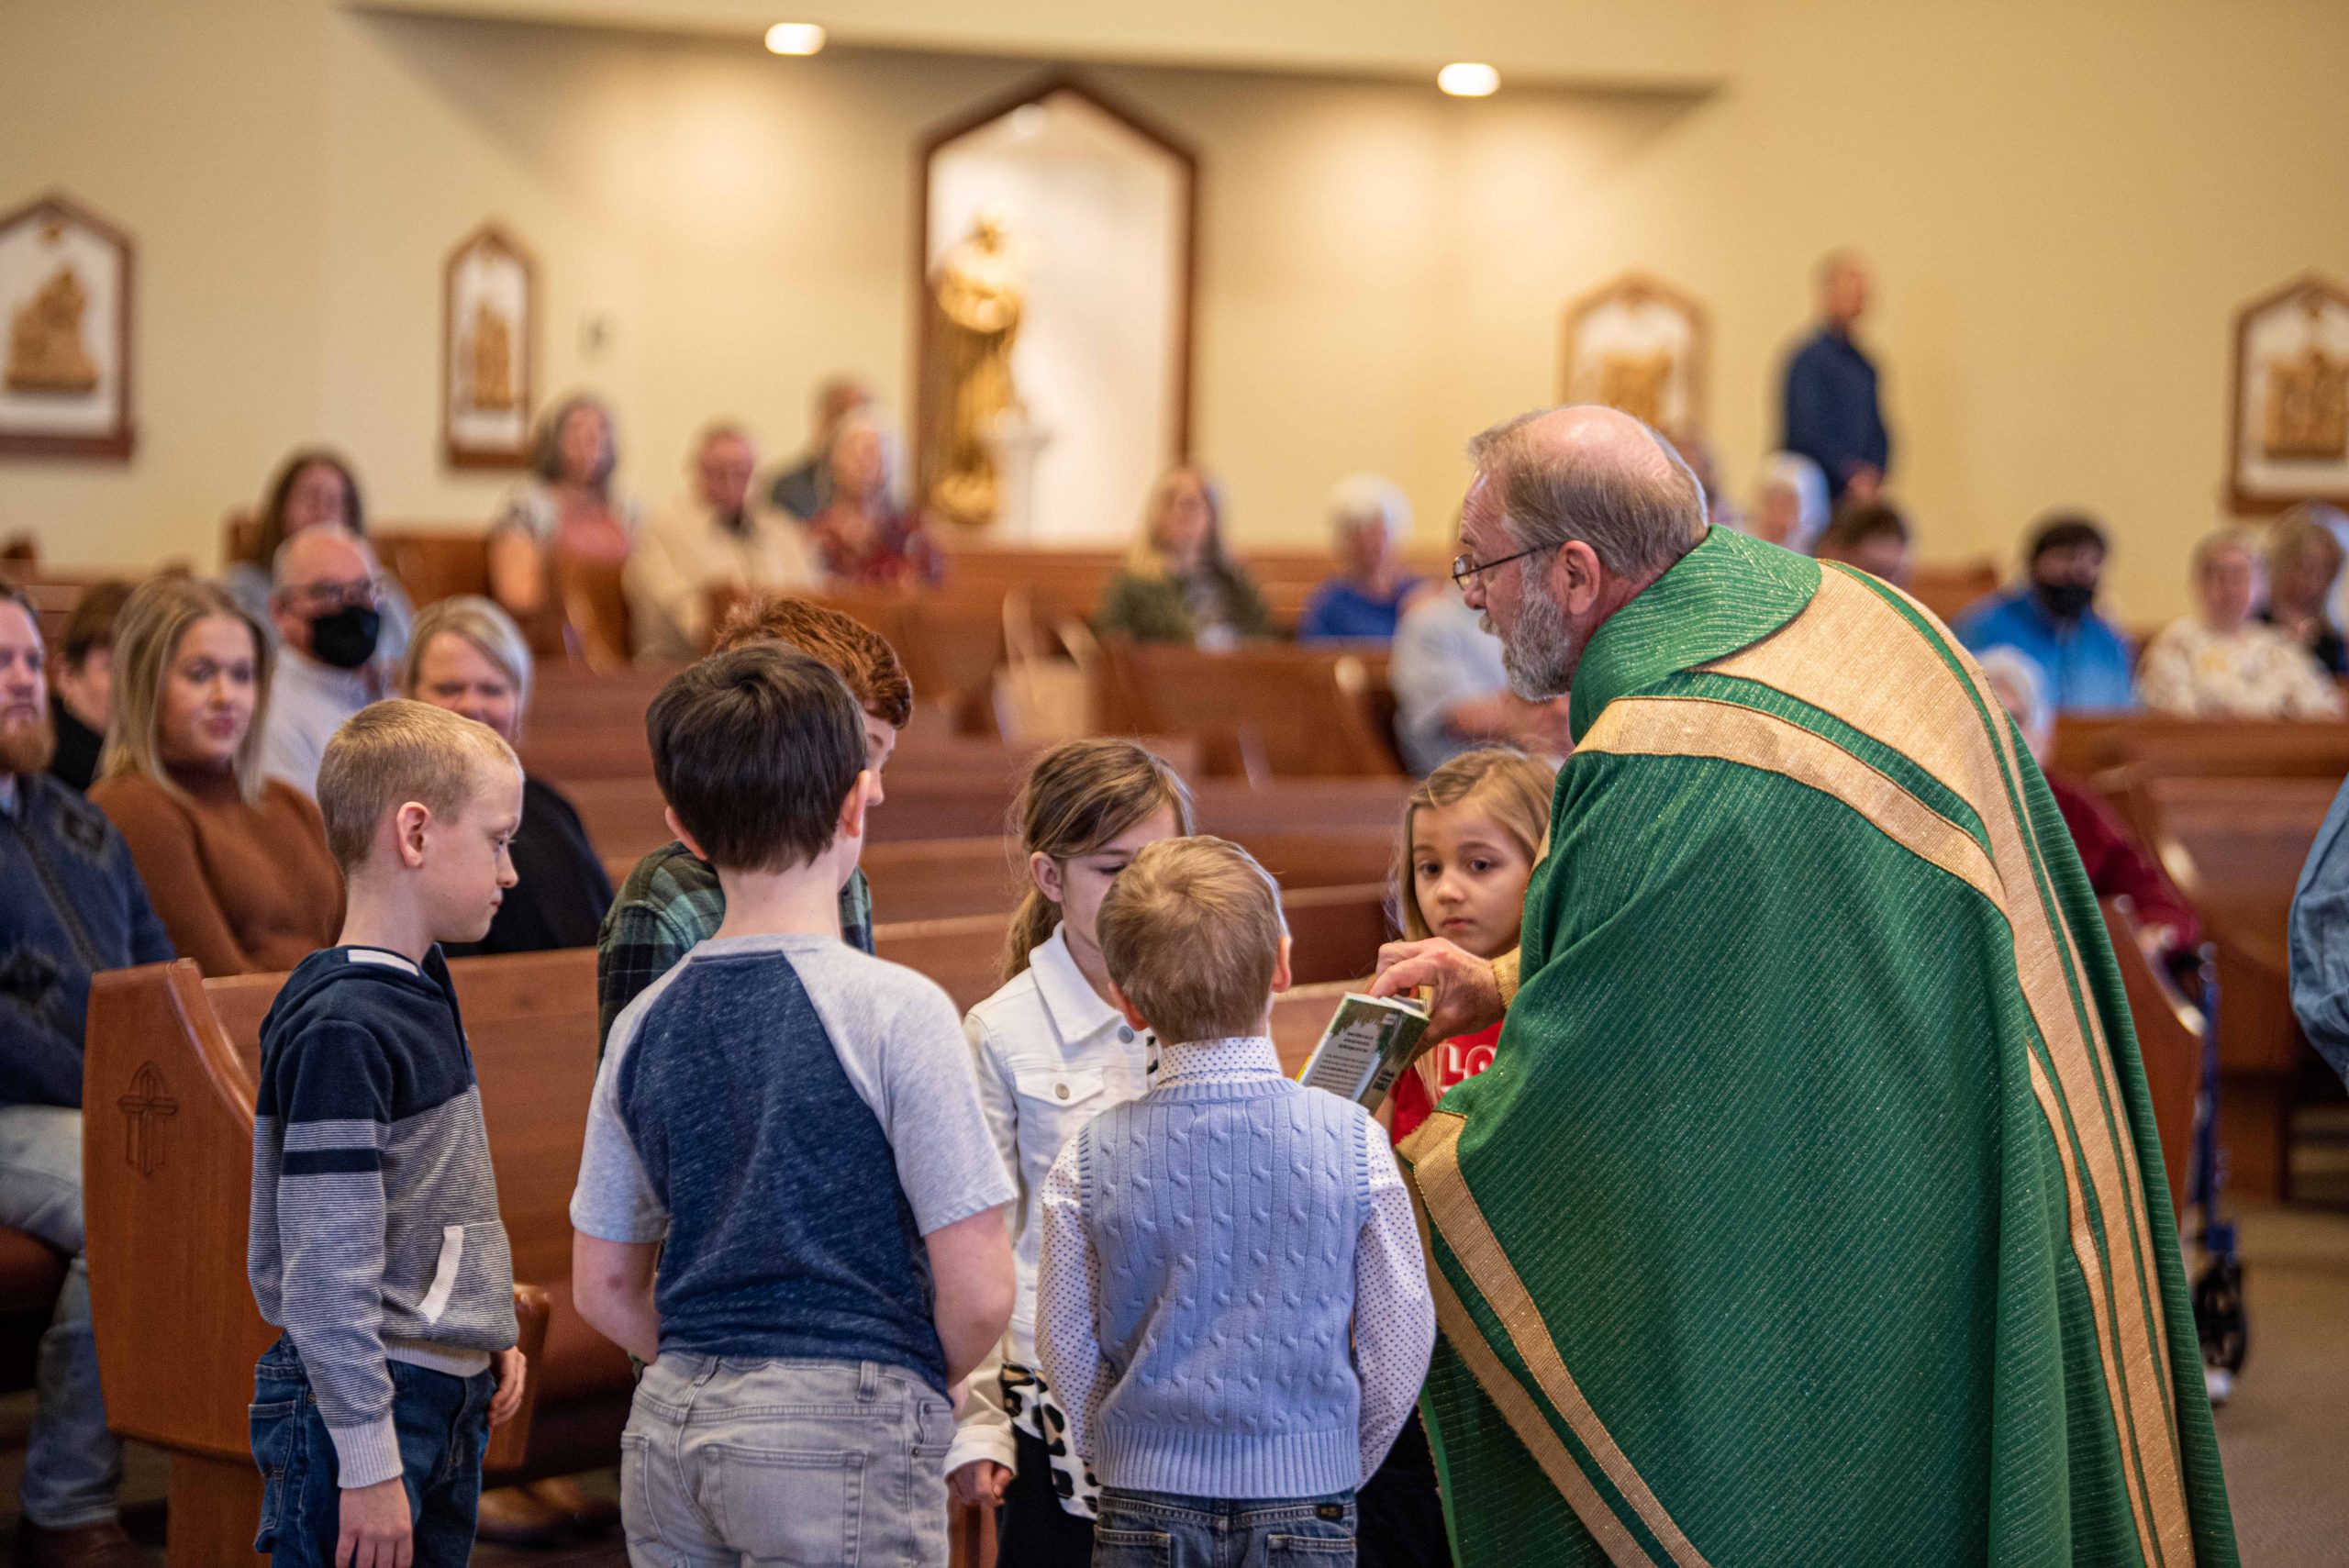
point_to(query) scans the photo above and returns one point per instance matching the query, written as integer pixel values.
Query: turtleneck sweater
(241, 888)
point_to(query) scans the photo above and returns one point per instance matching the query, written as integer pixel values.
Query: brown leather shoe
(100, 1545)
(510, 1516)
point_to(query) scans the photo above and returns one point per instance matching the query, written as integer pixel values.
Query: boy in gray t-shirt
(789, 1203)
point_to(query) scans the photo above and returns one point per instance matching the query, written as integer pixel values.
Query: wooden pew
(2169, 1042)
(1258, 709)
(168, 1166)
(2086, 745)
(1946, 588)
(2235, 846)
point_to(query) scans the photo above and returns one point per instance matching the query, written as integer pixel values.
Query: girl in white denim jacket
(1052, 1054)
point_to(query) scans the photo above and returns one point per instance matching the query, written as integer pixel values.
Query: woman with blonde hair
(1053, 1053)
(469, 657)
(237, 865)
(1177, 584)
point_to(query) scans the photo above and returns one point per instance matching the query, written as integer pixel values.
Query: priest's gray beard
(1542, 657)
(26, 740)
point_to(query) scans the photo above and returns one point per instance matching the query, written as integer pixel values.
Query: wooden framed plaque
(2288, 431)
(65, 292)
(489, 314)
(1639, 345)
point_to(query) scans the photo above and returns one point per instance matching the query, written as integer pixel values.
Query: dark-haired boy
(788, 1204)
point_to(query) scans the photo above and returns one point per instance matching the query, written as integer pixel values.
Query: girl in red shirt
(1471, 837)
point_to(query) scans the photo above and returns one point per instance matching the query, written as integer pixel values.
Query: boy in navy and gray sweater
(1233, 1304)
(789, 1203)
(375, 1240)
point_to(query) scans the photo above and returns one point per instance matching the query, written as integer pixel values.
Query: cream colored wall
(2063, 203)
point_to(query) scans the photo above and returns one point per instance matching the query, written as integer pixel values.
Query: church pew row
(170, 1068)
(1321, 710)
(2085, 745)
(2235, 846)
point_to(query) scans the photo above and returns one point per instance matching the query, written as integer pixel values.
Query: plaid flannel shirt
(669, 902)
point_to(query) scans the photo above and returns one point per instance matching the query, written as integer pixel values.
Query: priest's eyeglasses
(1466, 568)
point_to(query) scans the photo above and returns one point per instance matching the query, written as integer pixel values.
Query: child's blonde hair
(1513, 788)
(1078, 797)
(392, 753)
(1191, 932)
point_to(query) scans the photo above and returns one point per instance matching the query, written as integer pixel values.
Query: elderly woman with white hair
(1371, 517)
(469, 657)
(1790, 505)
(2220, 663)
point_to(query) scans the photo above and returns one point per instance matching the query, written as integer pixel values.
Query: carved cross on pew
(144, 1110)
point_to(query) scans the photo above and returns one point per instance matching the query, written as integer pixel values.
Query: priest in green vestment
(1811, 1212)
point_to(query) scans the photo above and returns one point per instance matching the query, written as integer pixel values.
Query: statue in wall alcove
(490, 354)
(44, 348)
(976, 301)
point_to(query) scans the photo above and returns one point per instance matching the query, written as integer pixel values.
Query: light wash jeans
(72, 1464)
(727, 1463)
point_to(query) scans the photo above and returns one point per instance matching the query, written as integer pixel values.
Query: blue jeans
(1157, 1530)
(72, 1464)
(443, 1424)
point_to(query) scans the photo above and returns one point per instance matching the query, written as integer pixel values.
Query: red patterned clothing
(1456, 1060)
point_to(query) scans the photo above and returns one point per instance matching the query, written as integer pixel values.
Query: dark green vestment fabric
(1811, 1212)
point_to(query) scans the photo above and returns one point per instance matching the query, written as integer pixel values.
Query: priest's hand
(1464, 994)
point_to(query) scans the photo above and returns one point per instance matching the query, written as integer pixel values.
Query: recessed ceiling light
(801, 38)
(1464, 80)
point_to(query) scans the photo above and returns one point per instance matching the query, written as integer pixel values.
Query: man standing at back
(1811, 1211)
(74, 904)
(1831, 414)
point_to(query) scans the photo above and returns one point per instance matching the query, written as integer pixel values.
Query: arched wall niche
(1099, 212)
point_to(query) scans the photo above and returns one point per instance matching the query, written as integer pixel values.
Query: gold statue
(975, 293)
(45, 350)
(1636, 384)
(490, 357)
(2308, 401)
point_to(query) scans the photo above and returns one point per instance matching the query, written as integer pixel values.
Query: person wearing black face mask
(326, 609)
(2051, 619)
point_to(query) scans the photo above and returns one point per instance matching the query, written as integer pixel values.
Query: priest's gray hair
(1638, 518)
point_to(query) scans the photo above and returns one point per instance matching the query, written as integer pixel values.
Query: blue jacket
(1831, 413)
(2319, 938)
(73, 906)
(2086, 664)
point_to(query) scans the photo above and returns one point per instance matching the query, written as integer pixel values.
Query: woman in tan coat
(236, 865)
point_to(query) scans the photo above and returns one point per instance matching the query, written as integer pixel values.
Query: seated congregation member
(74, 905)
(1872, 535)
(1790, 505)
(1234, 1356)
(1371, 517)
(2051, 619)
(376, 1245)
(469, 657)
(864, 538)
(83, 695)
(2320, 940)
(672, 899)
(802, 489)
(2305, 552)
(312, 487)
(1179, 585)
(567, 511)
(1451, 686)
(789, 1202)
(716, 537)
(328, 613)
(2116, 863)
(1053, 1053)
(1471, 835)
(236, 862)
(2218, 662)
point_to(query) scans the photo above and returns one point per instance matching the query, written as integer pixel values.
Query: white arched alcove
(1099, 211)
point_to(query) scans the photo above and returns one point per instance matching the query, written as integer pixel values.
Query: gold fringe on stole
(1434, 1154)
(1852, 655)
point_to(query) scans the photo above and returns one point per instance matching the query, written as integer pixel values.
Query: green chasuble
(1811, 1212)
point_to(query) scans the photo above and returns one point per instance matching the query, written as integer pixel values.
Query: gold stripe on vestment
(1525, 1418)
(1434, 1154)
(1851, 655)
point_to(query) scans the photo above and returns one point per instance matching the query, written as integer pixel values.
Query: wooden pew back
(1273, 708)
(2234, 748)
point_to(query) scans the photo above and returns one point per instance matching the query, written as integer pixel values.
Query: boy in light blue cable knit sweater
(1232, 1305)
